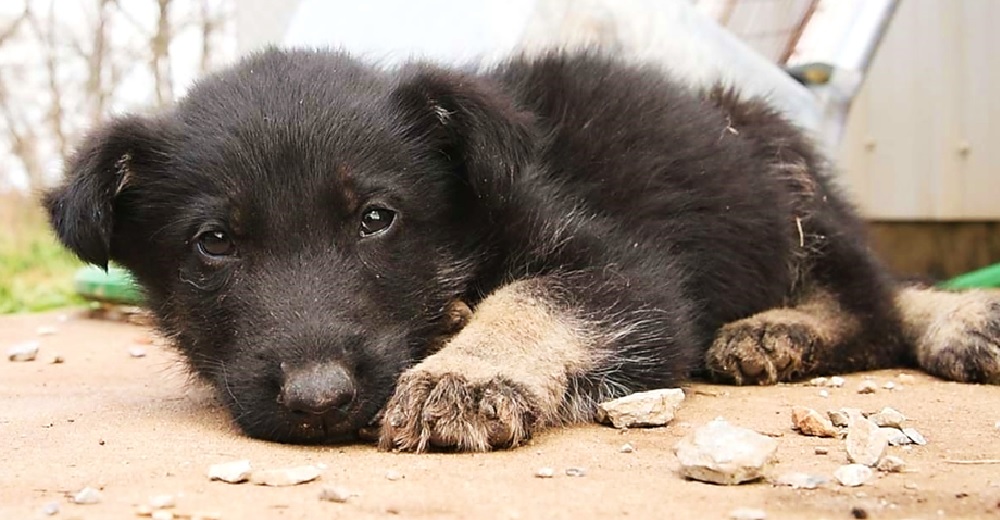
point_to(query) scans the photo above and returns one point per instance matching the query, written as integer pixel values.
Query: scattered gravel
(643, 409)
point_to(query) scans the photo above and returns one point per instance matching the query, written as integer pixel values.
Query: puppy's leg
(783, 344)
(955, 335)
(503, 375)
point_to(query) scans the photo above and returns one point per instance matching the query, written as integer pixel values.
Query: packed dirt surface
(134, 427)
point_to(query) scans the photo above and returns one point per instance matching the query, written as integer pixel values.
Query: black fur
(658, 212)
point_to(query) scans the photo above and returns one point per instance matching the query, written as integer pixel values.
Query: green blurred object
(115, 286)
(980, 278)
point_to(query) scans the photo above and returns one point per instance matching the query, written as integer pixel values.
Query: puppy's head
(300, 224)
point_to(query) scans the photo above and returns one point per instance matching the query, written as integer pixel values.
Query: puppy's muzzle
(317, 388)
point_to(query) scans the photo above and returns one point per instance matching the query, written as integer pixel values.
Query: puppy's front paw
(962, 342)
(763, 349)
(450, 411)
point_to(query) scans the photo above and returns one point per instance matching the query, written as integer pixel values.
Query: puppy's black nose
(316, 388)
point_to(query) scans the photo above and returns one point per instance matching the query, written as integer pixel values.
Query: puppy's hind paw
(448, 411)
(962, 342)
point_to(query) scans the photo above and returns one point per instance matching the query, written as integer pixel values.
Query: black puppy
(303, 225)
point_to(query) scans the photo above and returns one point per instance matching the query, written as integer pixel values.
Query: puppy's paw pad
(763, 350)
(963, 341)
(449, 411)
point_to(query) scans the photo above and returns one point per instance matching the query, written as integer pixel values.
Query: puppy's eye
(375, 221)
(215, 243)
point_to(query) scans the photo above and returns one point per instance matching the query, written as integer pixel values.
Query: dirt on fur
(134, 427)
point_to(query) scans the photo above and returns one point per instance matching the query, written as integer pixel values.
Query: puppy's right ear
(108, 162)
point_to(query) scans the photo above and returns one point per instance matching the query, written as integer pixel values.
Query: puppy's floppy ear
(81, 210)
(474, 123)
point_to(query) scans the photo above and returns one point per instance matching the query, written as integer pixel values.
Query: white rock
(810, 422)
(87, 495)
(818, 381)
(915, 436)
(889, 385)
(896, 437)
(724, 454)
(888, 418)
(136, 352)
(799, 480)
(51, 508)
(626, 448)
(906, 378)
(23, 352)
(747, 513)
(576, 472)
(891, 464)
(996, 425)
(338, 494)
(835, 382)
(866, 442)
(853, 475)
(643, 409)
(285, 476)
(394, 475)
(160, 514)
(232, 472)
(824, 393)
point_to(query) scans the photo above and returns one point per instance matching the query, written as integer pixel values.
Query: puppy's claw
(449, 411)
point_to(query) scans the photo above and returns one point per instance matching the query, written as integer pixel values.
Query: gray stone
(838, 418)
(724, 454)
(853, 475)
(643, 409)
(896, 437)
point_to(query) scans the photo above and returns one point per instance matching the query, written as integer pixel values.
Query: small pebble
(136, 352)
(867, 387)
(888, 418)
(143, 510)
(896, 437)
(799, 480)
(810, 422)
(746, 513)
(859, 512)
(45, 331)
(232, 472)
(87, 495)
(915, 436)
(627, 448)
(161, 514)
(162, 502)
(835, 382)
(545, 473)
(285, 476)
(853, 475)
(909, 485)
(23, 352)
(821, 450)
(891, 464)
(337, 494)
(576, 472)
(889, 385)
(818, 381)
(839, 418)
(824, 393)
(642, 409)
(56, 359)
(394, 475)
(51, 508)
(996, 425)
(906, 378)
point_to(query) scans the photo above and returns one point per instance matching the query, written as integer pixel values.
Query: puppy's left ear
(82, 209)
(473, 122)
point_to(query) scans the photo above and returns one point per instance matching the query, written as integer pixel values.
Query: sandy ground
(134, 427)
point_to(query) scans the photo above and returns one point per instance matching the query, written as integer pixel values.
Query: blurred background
(902, 94)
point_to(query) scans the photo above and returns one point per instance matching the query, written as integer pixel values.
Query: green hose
(980, 278)
(115, 286)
